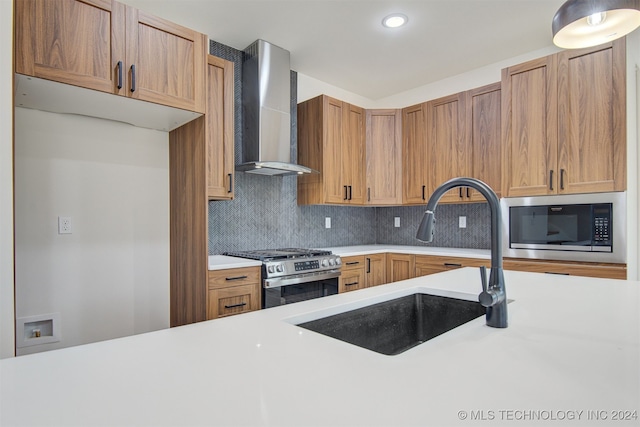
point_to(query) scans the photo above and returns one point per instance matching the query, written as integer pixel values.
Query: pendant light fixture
(585, 23)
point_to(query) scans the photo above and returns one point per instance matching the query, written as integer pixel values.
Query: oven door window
(282, 295)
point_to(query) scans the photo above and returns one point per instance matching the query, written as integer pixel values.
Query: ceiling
(342, 42)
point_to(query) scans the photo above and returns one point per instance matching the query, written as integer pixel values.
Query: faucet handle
(486, 298)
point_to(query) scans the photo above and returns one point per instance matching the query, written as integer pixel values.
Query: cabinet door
(529, 128)
(484, 118)
(353, 165)
(384, 157)
(592, 119)
(447, 144)
(165, 62)
(220, 129)
(351, 280)
(71, 41)
(400, 267)
(333, 128)
(414, 155)
(375, 270)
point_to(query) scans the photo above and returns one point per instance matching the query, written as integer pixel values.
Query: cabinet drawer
(428, 264)
(234, 277)
(352, 280)
(606, 271)
(352, 262)
(232, 300)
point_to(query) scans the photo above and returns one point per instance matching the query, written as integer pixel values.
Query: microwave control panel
(602, 224)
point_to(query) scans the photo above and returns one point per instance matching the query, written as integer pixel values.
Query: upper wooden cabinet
(448, 144)
(384, 157)
(563, 121)
(107, 46)
(414, 155)
(220, 129)
(331, 140)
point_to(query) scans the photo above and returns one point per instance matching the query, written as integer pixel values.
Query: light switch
(462, 222)
(327, 222)
(396, 221)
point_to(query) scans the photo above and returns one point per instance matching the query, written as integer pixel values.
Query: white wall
(633, 154)
(110, 278)
(6, 180)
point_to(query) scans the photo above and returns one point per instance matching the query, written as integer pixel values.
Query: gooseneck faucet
(494, 295)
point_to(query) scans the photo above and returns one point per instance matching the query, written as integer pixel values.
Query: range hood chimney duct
(266, 104)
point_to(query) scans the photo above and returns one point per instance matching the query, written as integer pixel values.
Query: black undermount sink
(394, 326)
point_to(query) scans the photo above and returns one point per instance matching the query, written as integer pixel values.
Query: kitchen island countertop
(570, 356)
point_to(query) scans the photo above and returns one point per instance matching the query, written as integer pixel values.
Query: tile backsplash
(264, 213)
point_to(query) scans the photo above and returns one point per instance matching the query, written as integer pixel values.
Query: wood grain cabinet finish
(375, 270)
(430, 264)
(352, 276)
(233, 291)
(606, 271)
(384, 157)
(414, 155)
(331, 140)
(200, 161)
(106, 46)
(400, 267)
(564, 123)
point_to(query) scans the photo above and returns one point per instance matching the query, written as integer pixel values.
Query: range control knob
(279, 268)
(338, 261)
(325, 262)
(332, 261)
(271, 269)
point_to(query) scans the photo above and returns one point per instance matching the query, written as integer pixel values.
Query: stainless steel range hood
(266, 104)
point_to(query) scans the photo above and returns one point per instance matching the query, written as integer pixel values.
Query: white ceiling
(342, 42)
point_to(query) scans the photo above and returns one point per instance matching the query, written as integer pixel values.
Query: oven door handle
(277, 282)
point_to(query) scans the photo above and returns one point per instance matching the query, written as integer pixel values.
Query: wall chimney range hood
(266, 104)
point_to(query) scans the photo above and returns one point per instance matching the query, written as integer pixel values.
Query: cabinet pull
(559, 274)
(368, 194)
(353, 263)
(452, 264)
(242, 304)
(235, 278)
(460, 192)
(424, 189)
(551, 180)
(119, 74)
(350, 192)
(346, 193)
(230, 183)
(368, 265)
(133, 78)
(351, 284)
(562, 179)
(468, 192)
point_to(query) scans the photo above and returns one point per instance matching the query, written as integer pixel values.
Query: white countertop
(222, 262)
(572, 346)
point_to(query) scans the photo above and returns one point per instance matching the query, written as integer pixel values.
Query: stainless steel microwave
(576, 227)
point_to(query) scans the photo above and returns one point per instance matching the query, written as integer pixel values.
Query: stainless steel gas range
(291, 275)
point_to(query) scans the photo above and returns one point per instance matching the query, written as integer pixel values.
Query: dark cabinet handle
(346, 192)
(230, 183)
(351, 284)
(242, 304)
(551, 180)
(119, 74)
(562, 179)
(353, 263)
(468, 192)
(460, 192)
(368, 265)
(424, 189)
(133, 78)
(559, 274)
(235, 278)
(350, 192)
(368, 194)
(451, 264)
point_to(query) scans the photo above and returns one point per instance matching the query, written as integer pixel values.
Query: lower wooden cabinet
(375, 270)
(233, 291)
(352, 276)
(605, 271)
(430, 264)
(400, 267)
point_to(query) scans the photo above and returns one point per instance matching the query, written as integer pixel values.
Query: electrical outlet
(327, 222)
(396, 221)
(65, 225)
(462, 222)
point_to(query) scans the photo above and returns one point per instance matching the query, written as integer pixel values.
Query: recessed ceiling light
(395, 20)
